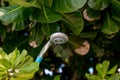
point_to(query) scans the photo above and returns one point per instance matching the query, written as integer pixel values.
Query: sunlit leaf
(5, 63)
(112, 70)
(22, 2)
(14, 13)
(13, 55)
(31, 68)
(20, 57)
(65, 6)
(103, 68)
(26, 61)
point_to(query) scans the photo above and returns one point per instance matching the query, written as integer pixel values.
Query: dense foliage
(91, 25)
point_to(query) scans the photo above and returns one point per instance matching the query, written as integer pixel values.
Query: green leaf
(24, 3)
(115, 10)
(19, 25)
(74, 21)
(31, 68)
(20, 57)
(112, 70)
(14, 13)
(38, 4)
(48, 2)
(2, 68)
(46, 16)
(1, 50)
(57, 77)
(109, 25)
(5, 63)
(115, 77)
(92, 77)
(36, 36)
(92, 14)
(24, 76)
(103, 68)
(12, 56)
(3, 55)
(65, 6)
(26, 61)
(49, 29)
(98, 4)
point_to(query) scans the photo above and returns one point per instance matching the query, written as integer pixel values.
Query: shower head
(55, 38)
(58, 38)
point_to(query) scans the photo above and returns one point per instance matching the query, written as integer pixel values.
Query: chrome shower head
(55, 38)
(58, 38)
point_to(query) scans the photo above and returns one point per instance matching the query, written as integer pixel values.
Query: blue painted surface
(38, 59)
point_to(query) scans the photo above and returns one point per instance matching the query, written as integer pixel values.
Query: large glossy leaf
(74, 21)
(115, 10)
(46, 15)
(14, 13)
(109, 25)
(65, 6)
(98, 4)
(22, 2)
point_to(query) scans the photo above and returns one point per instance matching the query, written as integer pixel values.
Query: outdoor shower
(55, 38)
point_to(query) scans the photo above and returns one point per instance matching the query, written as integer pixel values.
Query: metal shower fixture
(55, 38)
